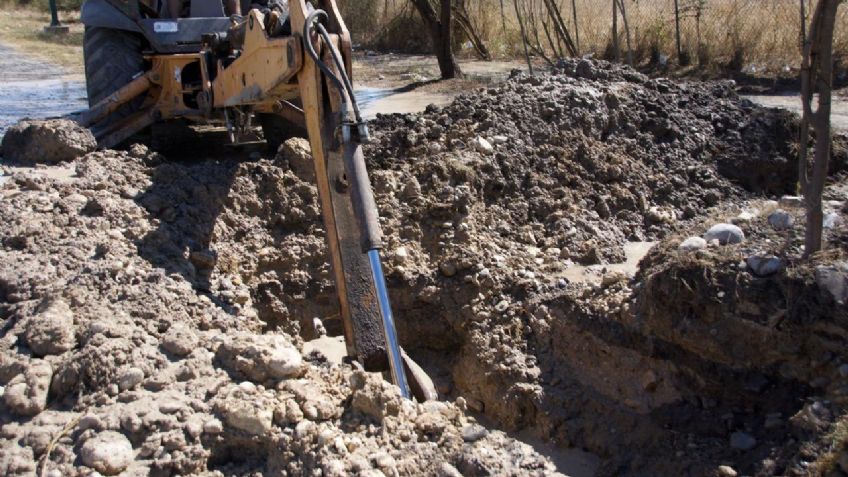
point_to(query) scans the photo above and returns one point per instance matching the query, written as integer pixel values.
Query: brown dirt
(173, 271)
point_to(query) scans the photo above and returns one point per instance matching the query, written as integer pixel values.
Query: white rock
(108, 452)
(726, 471)
(725, 234)
(179, 340)
(249, 417)
(692, 244)
(832, 280)
(51, 330)
(745, 217)
(764, 266)
(213, 426)
(790, 201)
(260, 357)
(500, 139)
(26, 393)
(130, 378)
(483, 146)
(831, 220)
(781, 220)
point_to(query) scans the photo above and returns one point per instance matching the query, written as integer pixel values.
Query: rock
(483, 146)
(179, 340)
(130, 378)
(447, 470)
(108, 452)
(412, 189)
(448, 268)
(500, 139)
(298, 153)
(742, 441)
(833, 281)
(46, 141)
(473, 432)
(26, 393)
(764, 266)
(51, 329)
(744, 217)
(726, 471)
(693, 243)
(831, 220)
(250, 417)
(260, 357)
(725, 234)
(791, 201)
(781, 220)
(613, 278)
(213, 426)
(203, 259)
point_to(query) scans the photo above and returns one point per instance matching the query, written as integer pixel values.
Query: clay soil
(160, 310)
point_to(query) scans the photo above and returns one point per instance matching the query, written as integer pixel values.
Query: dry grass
(760, 34)
(23, 29)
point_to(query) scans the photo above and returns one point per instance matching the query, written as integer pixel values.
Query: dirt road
(32, 88)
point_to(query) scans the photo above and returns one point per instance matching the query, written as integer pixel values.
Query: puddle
(792, 102)
(35, 89)
(593, 274)
(373, 101)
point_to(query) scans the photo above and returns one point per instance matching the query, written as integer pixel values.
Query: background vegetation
(744, 34)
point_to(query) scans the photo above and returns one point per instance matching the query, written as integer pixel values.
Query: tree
(441, 33)
(816, 76)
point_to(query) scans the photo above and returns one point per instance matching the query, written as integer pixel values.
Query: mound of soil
(46, 141)
(162, 306)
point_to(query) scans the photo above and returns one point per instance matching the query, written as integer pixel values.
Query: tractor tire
(112, 59)
(278, 130)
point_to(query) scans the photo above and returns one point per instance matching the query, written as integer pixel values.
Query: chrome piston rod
(392, 345)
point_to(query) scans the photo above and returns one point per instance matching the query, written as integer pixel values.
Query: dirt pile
(132, 294)
(46, 141)
(114, 363)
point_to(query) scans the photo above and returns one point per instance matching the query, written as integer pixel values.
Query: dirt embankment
(157, 308)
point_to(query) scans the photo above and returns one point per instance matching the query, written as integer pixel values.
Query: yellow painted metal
(262, 71)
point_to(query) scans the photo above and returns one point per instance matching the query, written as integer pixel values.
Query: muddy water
(792, 102)
(35, 89)
(593, 274)
(375, 101)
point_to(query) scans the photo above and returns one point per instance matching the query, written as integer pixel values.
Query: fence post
(615, 48)
(55, 26)
(576, 28)
(677, 28)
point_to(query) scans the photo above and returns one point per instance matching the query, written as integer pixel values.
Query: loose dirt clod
(46, 141)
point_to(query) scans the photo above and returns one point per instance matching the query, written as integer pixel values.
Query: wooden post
(615, 48)
(677, 28)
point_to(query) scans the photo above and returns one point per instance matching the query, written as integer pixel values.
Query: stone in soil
(725, 234)
(108, 452)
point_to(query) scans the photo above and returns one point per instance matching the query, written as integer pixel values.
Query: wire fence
(741, 33)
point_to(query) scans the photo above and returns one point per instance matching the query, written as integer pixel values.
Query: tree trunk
(576, 27)
(523, 36)
(816, 75)
(441, 35)
(626, 33)
(616, 50)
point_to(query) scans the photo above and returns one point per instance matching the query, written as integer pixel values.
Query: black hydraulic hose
(310, 49)
(344, 84)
